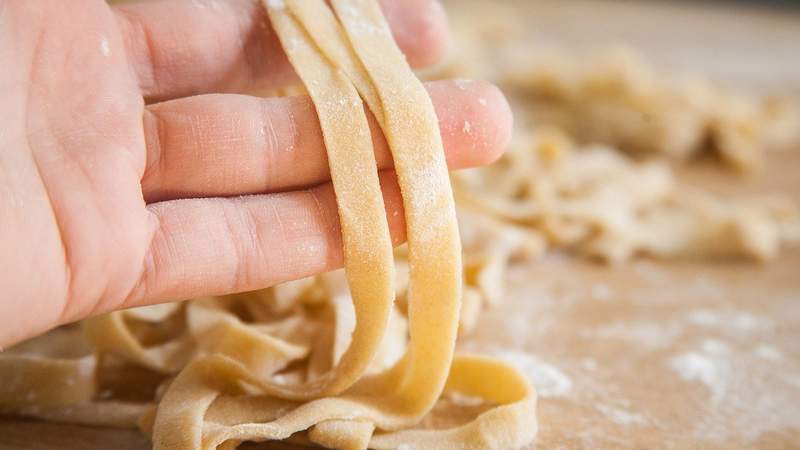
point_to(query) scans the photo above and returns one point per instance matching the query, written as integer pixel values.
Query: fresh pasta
(360, 358)
(349, 371)
(594, 201)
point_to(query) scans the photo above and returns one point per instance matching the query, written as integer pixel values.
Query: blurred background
(751, 42)
(656, 159)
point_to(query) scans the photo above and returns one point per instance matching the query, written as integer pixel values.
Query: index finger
(179, 48)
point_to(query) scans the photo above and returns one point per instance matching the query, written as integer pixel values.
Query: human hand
(131, 174)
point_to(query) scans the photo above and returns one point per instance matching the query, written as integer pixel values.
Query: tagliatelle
(357, 374)
(616, 98)
(594, 201)
(616, 95)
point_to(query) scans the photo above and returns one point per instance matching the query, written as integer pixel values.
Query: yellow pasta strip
(512, 425)
(45, 382)
(365, 233)
(412, 130)
(110, 335)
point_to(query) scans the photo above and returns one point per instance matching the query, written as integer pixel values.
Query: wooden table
(680, 354)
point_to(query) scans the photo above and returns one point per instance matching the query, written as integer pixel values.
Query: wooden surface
(680, 354)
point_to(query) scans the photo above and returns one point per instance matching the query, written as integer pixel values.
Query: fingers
(222, 245)
(218, 246)
(224, 145)
(179, 48)
(419, 27)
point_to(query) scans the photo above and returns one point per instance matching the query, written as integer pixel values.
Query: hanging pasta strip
(412, 131)
(366, 241)
(387, 69)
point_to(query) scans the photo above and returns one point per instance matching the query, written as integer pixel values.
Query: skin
(133, 171)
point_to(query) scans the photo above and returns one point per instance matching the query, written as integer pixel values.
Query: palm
(79, 226)
(110, 200)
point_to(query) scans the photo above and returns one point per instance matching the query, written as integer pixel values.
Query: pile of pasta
(589, 170)
(616, 98)
(349, 360)
(592, 200)
(119, 369)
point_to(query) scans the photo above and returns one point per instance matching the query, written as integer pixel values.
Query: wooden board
(680, 354)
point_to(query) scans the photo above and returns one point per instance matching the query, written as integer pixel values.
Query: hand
(131, 174)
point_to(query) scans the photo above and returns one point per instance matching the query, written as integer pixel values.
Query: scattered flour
(746, 322)
(464, 400)
(467, 127)
(280, 378)
(748, 397)
(768, 352)
(709, 370)
(733, 320)
(105, 47)
(647, 334)
(703, 317)
(621, 416)
(357, 24)
(601, 291)
(703, 286)
(715, 347)
(86, 367)
(650, 272)
(548, 380)
(463, 84)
